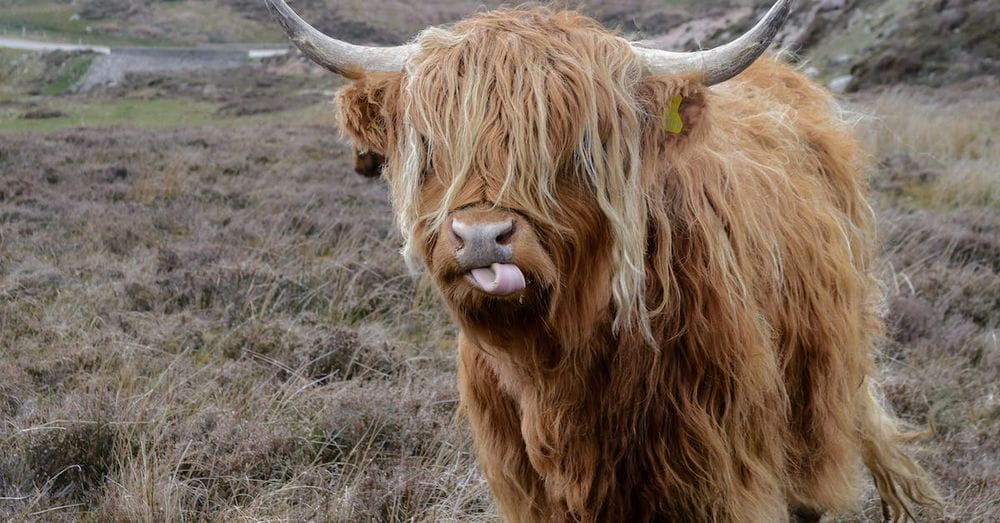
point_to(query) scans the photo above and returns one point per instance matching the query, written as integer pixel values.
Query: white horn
(340, 57)
(723, 62)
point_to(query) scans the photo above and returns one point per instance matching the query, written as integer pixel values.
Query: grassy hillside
(879, 42)
(220, 21)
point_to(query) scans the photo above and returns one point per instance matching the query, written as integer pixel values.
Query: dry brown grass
(207, 324)
(938, 199)
(944, 140)
(216, 326)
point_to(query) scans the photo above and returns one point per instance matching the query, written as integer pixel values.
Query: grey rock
(831, 5)
(841, 60)
(951, 18)
(840, 84)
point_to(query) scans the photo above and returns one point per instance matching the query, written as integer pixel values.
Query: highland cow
(660, 263)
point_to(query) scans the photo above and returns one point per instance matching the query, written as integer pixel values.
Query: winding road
(33, 45)
(115, 62)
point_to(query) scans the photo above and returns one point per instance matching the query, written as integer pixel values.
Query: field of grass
(147, 114)
(214, 323)
(937, 194)
(208, 323)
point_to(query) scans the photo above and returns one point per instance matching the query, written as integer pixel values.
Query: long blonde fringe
(452, 116)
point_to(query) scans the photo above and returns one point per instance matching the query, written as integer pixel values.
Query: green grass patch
(182, 23)
(54, 21)
(25, 71)
(137, 113)
(47, 17)
(149, 114)
(71, 72)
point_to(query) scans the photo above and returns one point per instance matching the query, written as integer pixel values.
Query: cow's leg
(825, 343)
(823, 452)
(496, 429)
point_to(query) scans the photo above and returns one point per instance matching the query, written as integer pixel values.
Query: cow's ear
(677, 106)
(368, 163)
(366, 112)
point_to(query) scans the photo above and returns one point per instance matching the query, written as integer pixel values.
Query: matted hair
(529, 109)
(741, 248)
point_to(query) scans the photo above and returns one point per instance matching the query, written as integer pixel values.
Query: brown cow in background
(664, 290)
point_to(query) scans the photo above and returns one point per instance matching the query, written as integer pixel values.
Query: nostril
(504, 237)
(481, 235)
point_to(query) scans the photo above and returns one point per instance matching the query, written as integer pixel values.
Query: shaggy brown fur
(695, 340)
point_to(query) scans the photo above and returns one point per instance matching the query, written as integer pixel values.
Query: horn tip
(724, 62)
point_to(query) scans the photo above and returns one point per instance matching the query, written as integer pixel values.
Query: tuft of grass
(946, 133)
(970, 182)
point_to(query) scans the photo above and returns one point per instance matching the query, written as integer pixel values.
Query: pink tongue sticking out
(499, 279)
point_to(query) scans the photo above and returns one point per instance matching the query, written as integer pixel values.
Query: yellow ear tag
(672, 122)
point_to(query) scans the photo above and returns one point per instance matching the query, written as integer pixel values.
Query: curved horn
(726, 61)
(340, 57)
